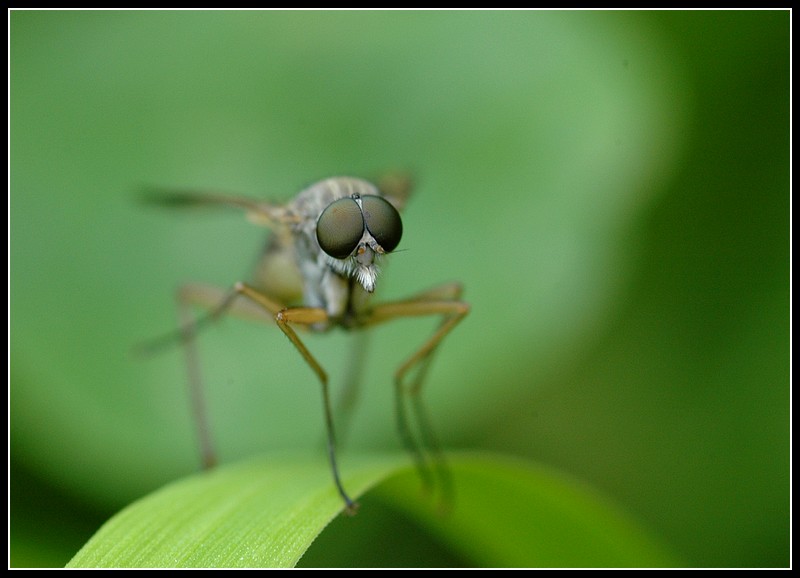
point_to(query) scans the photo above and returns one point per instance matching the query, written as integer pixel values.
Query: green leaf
(267, 512)
(258, 513)
(514, 513)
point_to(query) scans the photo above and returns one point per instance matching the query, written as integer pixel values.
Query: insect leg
(188, 331)
(305, 316)
(444, 301)
(221, 302)
(352, 382)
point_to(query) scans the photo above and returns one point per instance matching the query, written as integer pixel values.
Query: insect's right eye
(340, 228)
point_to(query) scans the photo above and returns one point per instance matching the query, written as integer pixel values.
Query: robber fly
(318, 271)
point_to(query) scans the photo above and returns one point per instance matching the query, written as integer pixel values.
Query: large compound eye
(383, 221)
(340, 228)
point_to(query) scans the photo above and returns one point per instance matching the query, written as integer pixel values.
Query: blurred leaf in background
(612, 188)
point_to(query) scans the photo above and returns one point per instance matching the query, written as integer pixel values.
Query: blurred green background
(612, 188)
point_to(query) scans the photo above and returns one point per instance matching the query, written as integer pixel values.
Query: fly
(318, 271)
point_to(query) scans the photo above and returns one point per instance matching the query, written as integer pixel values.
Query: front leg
(442, 300)
(307, 316)
(259, 306)
(445, 301)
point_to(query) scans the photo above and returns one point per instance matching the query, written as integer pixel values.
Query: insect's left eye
(383, 221)
(340, 228)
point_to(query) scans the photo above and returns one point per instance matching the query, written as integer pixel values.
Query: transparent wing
(258, 211)
(396, 187)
